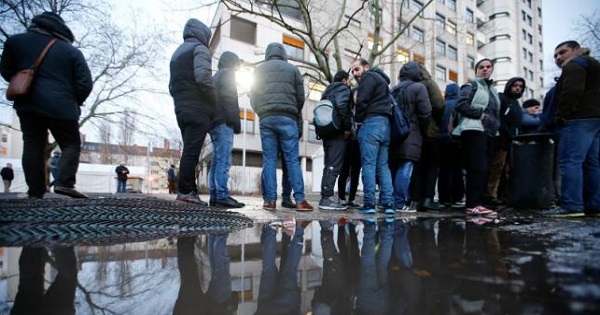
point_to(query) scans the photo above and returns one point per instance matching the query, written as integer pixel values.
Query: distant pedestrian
(61, 85)
(8, 175)
(122, 172)
(171, 179)
(53, 164)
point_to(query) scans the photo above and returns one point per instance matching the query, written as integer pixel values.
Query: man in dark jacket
(414, 99)
(451, 186)
(191, 86)
(171, 179)
(122, 175)
(278, 97)
(577, 123)
(7, 175)
(511, 116)
(334, 145)
(62, 83)
(373, 113)
(225, 122)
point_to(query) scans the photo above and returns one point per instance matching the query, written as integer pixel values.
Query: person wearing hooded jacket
(417, 106)
(225, 122)
(277, 97)
(511, 116)
(61, 85)
(373, 114)
(193, 91)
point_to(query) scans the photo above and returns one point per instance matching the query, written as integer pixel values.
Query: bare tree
(327, 28)
(588, 31)
(127, 129)
(105, 131)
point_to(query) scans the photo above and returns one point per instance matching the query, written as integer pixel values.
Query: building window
(525, 72)
(440, 20)
(404, 28)
(524, 33)
(471, 62)
(353, 21)
(530, 73)
(540, 12)
(451, 4)
(452, 53)
(417, 34)
(440, 73)
(451, 27)
(453, 76)
(529, 20)
(315, 91)
(312, 134)
(540, 29)
(248, 127)
(540, 45)
(524, 16)
(530, 56)
(542, 81)
(416, 6)
(530, 38)
(371, 41)
(470, 39)
(418, 58)
(440, 47)
(529, 3)
(293, 47)
(470, 16)
(243, 30)
(525, 53)
(541, 64)
(403, 56)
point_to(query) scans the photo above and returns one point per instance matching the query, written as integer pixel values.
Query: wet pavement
(120, 256)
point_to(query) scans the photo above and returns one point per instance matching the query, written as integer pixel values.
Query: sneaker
(407, 209)
(288, 203)
(329, 204)
(352, 204)
(480, 210)
(190, 198)
(228, 203)
(458, 205)
(211, 202)
(558, 212)
(430, 205)
(69, 191)
(389, 209)
(367, 209)
(269, 206)
(478, 220)
(304, 206)
(592, 213)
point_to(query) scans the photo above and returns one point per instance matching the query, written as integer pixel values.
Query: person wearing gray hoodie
(277, 97)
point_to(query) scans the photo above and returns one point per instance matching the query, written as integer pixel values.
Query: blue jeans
(219, 288)
(280, 132)
(578, 159)
(401, 181)
(222, 143)
(374, 141)
(121, 185)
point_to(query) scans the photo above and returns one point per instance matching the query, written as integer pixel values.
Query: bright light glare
(244, 77)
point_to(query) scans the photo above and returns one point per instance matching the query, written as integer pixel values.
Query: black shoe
(352, 204)
(492, 201)
(288, 203)
(228, 203)
(191, 198)
(429, 205)
(211, 202)
(69, 191)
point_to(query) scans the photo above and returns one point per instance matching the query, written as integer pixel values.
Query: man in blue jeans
(373, 113)
(278, 97)
(577, 123)
(225, 122)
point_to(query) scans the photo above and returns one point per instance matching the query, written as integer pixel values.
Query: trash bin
(531, 168)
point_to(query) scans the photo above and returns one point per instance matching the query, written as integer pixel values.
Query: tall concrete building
(448, 38)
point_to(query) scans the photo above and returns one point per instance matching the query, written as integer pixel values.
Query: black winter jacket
(278, 86)
(417, 107)
(511, 115)
(449, 106)
(227, 109)
(191, 83)
(340, 95)
(63, 81)
(122, 172)
(437, 102)
(372, 95)
(578, 91)
(7, 173)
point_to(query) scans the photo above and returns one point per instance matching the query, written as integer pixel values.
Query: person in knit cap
(531, 116)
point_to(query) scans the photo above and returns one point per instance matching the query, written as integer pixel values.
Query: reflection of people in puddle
(333, 296)
(373, 290)
(278, 292)
(60, 296)
(218, 299)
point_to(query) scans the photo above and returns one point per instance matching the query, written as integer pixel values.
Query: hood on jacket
(410, 71)
(424, 73)
(228, 60)
(452, 90)
(509, 85)
(275, 51)
(195, 29)
(52, 24)
(381, 73)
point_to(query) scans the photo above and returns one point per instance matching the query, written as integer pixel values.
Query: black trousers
(334, 148)
(426, 171)
(35, 139)
(451, 185)
(475, 145)
(350, 168)
(193, 132)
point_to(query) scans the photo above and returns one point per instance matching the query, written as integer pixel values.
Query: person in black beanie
(61, 85)
(532, 121)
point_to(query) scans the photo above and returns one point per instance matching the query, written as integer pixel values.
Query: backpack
(549, 109)
(400, 124)
(326, 119)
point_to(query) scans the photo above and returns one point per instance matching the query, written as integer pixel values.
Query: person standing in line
(171, 179)
(373, 114)
(61, 85)
(531, 122)
(193, 91)
(225, 123)
(478, 108)
(334, 145)
(122, 172)
(7, 175)
(278, 98)
(577, 122)
(53, 164)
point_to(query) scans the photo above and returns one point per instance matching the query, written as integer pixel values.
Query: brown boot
(270, 205)
(304, 206)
